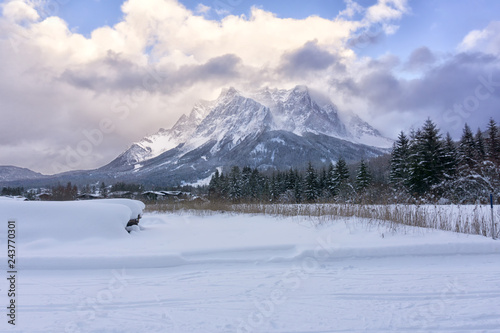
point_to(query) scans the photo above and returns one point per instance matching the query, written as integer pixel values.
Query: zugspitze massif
(267, 129)
(270, 129)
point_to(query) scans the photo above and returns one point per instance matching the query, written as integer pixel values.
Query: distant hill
(12, 173)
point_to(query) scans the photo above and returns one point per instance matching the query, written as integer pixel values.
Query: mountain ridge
(10, 172)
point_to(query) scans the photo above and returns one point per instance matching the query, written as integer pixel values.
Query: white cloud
(386, 10)
(486, 40)
(202, 9)
(148, 69)
(19, 11)
(352, 8)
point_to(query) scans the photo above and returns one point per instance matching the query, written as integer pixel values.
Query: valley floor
(255, 273)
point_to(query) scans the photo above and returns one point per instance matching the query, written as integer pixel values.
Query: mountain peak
(267, 128)
(228, 93)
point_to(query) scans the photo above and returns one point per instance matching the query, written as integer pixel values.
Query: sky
(82, 80)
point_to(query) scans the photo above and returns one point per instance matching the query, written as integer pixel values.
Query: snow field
(403, 294)
(255, 273)
(168, 240)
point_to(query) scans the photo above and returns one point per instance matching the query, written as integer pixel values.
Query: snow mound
(136, 206)
(65, 222)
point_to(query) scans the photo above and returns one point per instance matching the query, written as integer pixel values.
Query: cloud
(116, 74)
(144, 72)
(386, 10)
(367, 36)
(486, 40)
(452, 92)
(202, 9)
(19, 11)
(352, 8)
(378, 21)
(310, 57)
(420, 58)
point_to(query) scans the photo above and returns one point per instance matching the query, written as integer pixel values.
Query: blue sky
(69, 66)
(89, 15)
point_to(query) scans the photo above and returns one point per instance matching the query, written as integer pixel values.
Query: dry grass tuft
(466, 219)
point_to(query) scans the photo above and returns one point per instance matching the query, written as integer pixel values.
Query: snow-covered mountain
(12, 173)
(234, 116)
(158, 143)
(296, 111)
(266, 129)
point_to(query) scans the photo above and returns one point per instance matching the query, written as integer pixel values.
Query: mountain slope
(269, 150)
(156, 144)
(12, 173)
(364, 133)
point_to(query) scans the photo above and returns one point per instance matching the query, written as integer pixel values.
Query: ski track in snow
(260, 282)
(444, 293)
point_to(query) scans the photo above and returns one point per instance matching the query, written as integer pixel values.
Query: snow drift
(64, 222)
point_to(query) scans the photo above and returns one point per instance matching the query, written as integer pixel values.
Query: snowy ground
(255, 273)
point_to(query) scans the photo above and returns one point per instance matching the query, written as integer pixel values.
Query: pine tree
(341, 172)
(322, 183)
(426, 159)
(280, 183)
(213, 186)
(433, 153)
(399, 173)
(103, 190)
(311, 184)
(235, 184)
(330, 181)
(363, 178)
(467, 149)
(341, 179)
(480, 146)
(223, 186)
(246, 190)
(290, 180)
(473, 179)
(450, 158)
(256, 189)
(274, 188)
(493, 142)
(298, 188)
(266, 189)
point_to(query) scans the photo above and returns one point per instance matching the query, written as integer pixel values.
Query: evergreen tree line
(312, 185)
(426, 165)
(12, 191)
